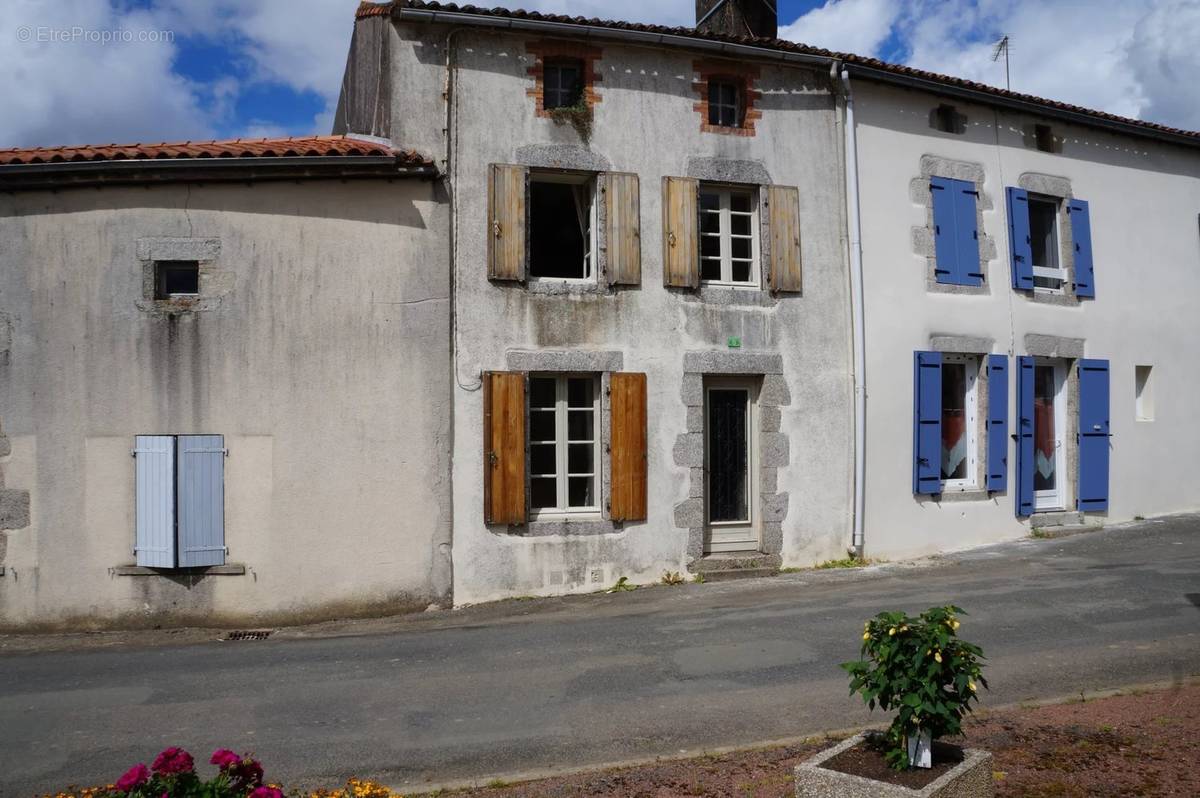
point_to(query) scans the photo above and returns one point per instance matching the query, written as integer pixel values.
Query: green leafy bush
(918, 667)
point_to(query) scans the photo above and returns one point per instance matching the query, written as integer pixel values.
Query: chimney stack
(738, 18)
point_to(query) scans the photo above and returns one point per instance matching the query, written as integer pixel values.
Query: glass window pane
(541, 392)
(710, 269)
(579, 425)
(739, 224)
(710, 222)
(579, 458)
(739, 202)
(541, 425)
(1045, 443)
(740, 271)
(579, 492)
(741, 248)
(579, 391)
(543, 492)
(954, 421)
(728, 94)
(1043, 233)
(710, 201)
(728, 450)
(542, 459)
(710, 247)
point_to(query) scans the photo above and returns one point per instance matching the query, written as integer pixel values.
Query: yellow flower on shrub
(938, 656)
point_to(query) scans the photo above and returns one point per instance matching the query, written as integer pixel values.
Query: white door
(730, 465)
(1049, 427)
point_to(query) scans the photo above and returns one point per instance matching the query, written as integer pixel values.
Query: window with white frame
(561, 225)
(1043, 241)
(960, 374)
(564, 448)
(728, 236)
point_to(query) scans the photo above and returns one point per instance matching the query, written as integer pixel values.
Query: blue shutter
(1081, 233)
(927, 422)
(1020, 251)
(1025, 454)
(997, 423)
(201, 500)
(955, 235)
(967, 233)
(154, 459)
(1093, 435)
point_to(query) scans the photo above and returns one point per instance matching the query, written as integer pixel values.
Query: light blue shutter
(1093, 435)
(955, 235)
(1025, 453)
(154, 459)
(927, 422)
(201, 500)
(1020, 250)
(1081, 233)
(997, 423)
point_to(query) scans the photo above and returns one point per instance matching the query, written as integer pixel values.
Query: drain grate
(249, 634)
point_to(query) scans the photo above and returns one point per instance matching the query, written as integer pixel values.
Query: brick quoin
(543, 50)
(745, 78)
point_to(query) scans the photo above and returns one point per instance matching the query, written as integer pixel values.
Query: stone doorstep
(1044, 520)
(1066, 530)
(736, 565)
(972, 778)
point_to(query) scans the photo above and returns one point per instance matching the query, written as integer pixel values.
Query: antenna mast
(1002, 47)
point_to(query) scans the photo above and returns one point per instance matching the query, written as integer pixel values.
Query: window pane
(727, 455)
(1045, 443)
(542, 459)
(710, 246)
(710, 269)
(579, 391)
(1043, 238)
(559, 235)
(728, 116)
(579, 458)
(579, 425)
(579, 492)
(710, 201)
(739, 202)
(541, 425)
(543, 492)
(728, 94)
(740, 271)
(710, 222)
(739, 224)
(714, 113)
(541, 392)
(954, 421)
(741, 248)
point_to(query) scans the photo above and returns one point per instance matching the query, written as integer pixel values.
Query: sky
(101, 71)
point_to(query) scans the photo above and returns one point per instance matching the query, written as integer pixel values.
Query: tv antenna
(1002, 47)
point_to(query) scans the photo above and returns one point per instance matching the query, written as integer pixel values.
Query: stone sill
(229, 569)
(971, 495)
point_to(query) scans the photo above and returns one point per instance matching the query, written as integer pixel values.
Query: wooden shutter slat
(623, 228)
(504, 447)
(783, 203)
(507, 189)
(681, 250)
(627, 403)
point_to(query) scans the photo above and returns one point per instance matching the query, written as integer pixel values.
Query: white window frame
(736, 106)
(561, 446)
(725, 234)
(1056, 499)
(1057, 271)
(588, 180)
(971, 422)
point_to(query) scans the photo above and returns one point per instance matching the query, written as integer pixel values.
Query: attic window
(724, 103)
(1043, 138)
(174, 278)
(563, 83)
(947, 119)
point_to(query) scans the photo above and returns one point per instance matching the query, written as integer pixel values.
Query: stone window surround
(205, 251)
(1059, 188)
(551, 49)
(740, 74)
(774, 450)
(980, 347)
(923, 237)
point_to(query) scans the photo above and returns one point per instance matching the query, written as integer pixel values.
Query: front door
(1049, 424)
(730, 484)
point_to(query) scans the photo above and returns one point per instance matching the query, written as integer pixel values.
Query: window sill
(229, 569)
(963, 495)
(566, 527)
(555, 287)
(717, 294)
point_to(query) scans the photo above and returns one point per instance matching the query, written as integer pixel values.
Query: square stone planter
(971, 778)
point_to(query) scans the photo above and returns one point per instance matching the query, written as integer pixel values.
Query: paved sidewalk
(533, 685)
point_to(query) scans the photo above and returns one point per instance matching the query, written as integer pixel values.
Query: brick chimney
(738, 18)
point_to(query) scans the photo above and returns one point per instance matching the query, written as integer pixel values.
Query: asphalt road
(532, 685)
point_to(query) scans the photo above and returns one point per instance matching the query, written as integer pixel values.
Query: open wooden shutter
(507, 189)
(504, 447)
(623, 228)
(1019, 246)
(783, 204)
(627, 402)
(681, 217)
(201, 502)
(1025, 448)
(927, 422)
(154, 458)
(1081, 234)
(1093, 435)
(997, 423)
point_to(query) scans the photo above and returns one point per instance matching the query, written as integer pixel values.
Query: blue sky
(198, 69)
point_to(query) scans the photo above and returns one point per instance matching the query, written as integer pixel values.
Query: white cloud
(1163, 54)
(849, 26)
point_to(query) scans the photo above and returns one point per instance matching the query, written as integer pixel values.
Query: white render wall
(1144, 198)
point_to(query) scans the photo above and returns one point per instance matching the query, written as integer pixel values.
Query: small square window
(174, 278)
(1143, 396)
(1043, 138)
(947, 119)
(562, 83)
(561, 225)
(728, 236)
(724, 103)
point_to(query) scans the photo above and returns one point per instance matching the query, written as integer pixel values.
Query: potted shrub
(921, 670)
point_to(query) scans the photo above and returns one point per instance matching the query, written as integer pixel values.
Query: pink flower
(224, 759)
(135, 777)
(246, 773)
(173, 760)
(266, 792)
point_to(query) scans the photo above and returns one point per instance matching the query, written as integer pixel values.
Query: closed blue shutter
(201, 500)
(927, 422)
(154, 459)
(1093, 435)
(1081, 233)
(1020, 251)
(997, 423)
(966, 233)
(955, 233)
(1025, 455)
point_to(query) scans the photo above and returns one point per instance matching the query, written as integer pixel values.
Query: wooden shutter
(627, 402)
(1093, 435)
(623, 228)
(681, 248)
(927, 422)
(783, 204)
(201, 500)
(507, 190)
(154, 458)
(1025, 448)
(504, 447)
(1081, 234)
(997, 423)
(1020, 248)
